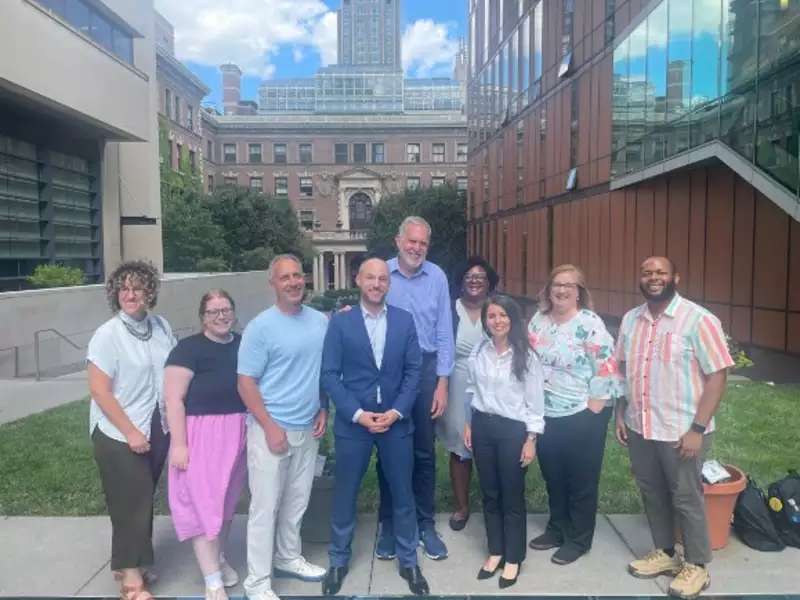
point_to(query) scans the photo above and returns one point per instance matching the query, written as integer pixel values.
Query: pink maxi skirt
(204, 496)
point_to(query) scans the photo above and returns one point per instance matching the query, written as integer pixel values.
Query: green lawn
(46, 464)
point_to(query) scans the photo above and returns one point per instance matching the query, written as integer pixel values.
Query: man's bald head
(373, 263)
(661, 261)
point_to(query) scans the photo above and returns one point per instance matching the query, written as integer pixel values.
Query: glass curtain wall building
(697, 71)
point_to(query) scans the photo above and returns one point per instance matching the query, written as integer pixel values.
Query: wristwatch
(697, 428)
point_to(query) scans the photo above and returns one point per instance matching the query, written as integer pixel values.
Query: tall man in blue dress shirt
(370, 369)
(420, 287)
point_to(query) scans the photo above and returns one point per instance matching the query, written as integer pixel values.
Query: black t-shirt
(212, 390)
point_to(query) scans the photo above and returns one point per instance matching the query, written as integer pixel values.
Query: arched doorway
(360, 209)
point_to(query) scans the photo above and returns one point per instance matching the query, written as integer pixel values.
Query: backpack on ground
(784, 504)
(752, 522)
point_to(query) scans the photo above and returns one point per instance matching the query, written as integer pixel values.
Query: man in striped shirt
(675, 359)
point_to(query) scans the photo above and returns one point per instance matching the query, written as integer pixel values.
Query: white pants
(280, 485)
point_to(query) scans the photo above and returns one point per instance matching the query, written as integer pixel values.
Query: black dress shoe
(484, 574)
(416, 582)
(504, 583)
(333, 580)
(567, 554)
(546, 541)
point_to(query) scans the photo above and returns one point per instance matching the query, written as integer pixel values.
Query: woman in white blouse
(126, 359)
(505, 408)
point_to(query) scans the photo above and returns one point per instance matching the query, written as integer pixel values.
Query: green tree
(252, 221)
(443, 207)
(190, 233)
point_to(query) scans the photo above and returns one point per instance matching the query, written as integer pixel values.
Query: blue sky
(276, 39)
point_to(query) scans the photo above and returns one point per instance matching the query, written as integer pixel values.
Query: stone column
(316, 277)
(337, 273)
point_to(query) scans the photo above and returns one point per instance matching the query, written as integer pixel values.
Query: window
(412, 153)
(412, 183)
(170, 158)
(122, 45)
(193, 161)
(231, 181)
(210, 183)
(279, 154)
(306, 187)
(176, 113)
(180, 156)
(462, 184)
(438, 153)
(305, 154)
(306, 218)
(359, 153)
(341, 154)
(101, 31)
(378, 153)
(168, 103)
(461, 152)
(254, 153)
(209, 150)
(257, 184)
(190, 116)
(437, 181)
(281, 186)
(229, 153)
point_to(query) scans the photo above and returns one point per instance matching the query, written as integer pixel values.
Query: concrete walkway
(69, 557)
(22, 397)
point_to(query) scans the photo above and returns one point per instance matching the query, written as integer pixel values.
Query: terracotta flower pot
(720, 501)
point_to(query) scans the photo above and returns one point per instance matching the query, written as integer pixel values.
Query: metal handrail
(36, 346)
(16, 358)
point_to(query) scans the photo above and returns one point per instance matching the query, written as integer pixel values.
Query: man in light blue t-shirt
(279, 365)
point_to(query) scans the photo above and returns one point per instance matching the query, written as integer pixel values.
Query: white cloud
(326, 38)
(428, 49)
(249, 32)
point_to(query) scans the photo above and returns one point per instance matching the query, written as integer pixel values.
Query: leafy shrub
(50, 276)
(257, 259)
(322, 303)
(740, 358)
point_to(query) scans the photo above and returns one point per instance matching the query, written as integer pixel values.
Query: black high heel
(504, 583)
(484, 574)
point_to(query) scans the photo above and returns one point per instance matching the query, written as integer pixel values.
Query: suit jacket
(351, 377)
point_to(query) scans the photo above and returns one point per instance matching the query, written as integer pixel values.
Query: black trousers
(424, 475)
(570, 456)
(129, 481)
(496, 450)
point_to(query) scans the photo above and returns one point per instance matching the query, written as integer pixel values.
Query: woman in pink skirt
(207, 451)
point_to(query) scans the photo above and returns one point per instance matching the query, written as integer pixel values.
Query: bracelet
(697, 428)
(532, 437)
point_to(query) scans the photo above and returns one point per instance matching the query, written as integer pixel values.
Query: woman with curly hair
(126, 357)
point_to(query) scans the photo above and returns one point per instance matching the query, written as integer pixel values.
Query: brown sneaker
(690, 582)
(654, 564)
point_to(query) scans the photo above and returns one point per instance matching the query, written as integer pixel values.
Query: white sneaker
(299, 568)
(216, 593)
(229, 575)
(265, 595)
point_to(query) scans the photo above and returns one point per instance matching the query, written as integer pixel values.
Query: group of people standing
(410, 362)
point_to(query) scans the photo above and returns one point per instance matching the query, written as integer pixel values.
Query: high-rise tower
(369, 33)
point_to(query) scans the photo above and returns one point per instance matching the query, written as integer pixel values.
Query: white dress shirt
(493, 388)
(376, 332)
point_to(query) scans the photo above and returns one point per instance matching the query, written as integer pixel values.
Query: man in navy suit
(370, 369)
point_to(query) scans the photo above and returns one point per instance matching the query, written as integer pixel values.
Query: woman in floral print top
(581, 381)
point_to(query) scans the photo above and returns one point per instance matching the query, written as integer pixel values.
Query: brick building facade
(598, 138)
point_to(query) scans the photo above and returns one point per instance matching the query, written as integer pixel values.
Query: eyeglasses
(137, 291)
(216, 312)
(564, 286)
(475, 278)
